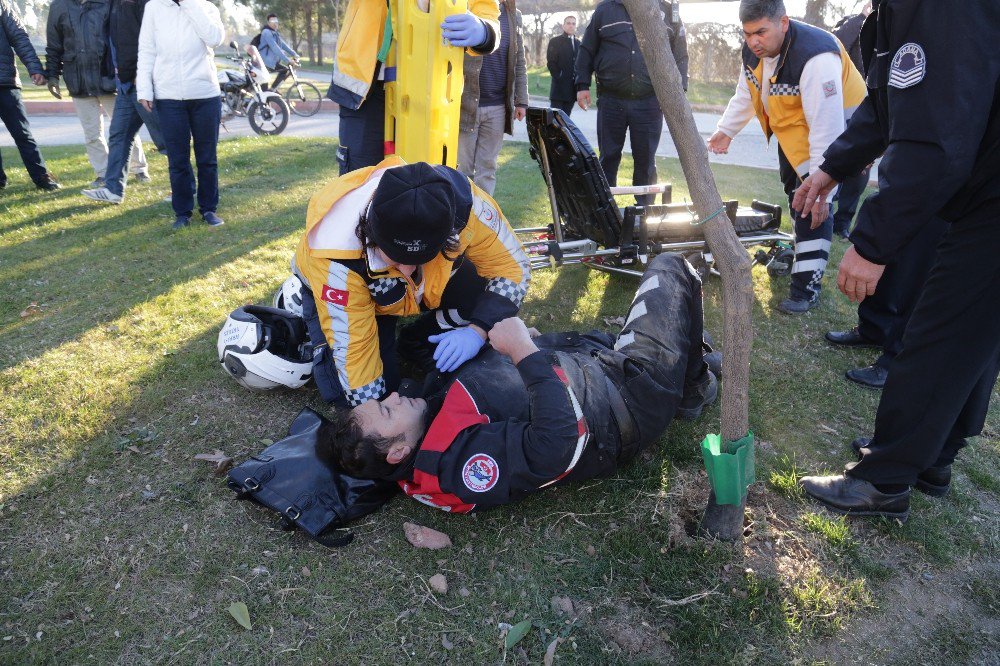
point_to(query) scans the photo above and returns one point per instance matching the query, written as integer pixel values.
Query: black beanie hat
(416, 208)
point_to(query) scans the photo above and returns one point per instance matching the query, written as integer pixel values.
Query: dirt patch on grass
(626, 630)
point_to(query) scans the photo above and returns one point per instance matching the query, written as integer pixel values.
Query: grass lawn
(699, 92)
(117, 547)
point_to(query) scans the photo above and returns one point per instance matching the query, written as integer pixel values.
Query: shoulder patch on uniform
(480, 473)
(829, 88)
(486, 213)
(909, 66)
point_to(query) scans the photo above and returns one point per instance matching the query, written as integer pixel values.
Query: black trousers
(847, 199)
(644, 122)
(883, 316)
(662, 337)
(939, 387)
(565, 105)
(362, 131)
(16, 120)
(812, 246)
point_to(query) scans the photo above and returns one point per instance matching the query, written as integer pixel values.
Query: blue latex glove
(455, 347)
(464, 30)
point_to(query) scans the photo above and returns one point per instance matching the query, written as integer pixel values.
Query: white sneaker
(102, 194)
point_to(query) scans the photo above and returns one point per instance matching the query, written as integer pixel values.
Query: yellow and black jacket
(361, 39)
(350, 286)
(784, 116)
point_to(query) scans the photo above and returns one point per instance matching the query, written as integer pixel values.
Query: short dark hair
(271, 16)
(352, 450)
(754, 10)
(571, 16)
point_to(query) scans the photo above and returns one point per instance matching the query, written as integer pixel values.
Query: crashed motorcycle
(243, 96)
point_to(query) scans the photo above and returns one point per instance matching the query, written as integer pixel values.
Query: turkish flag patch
(335, 296)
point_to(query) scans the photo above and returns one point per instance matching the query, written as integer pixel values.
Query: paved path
(748, 149)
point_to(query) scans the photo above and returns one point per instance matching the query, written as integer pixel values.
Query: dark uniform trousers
(457, 303)
(882, 317)
(566, 106)
(362, 131)
(644, 122)
(939, 387)
(812, 246)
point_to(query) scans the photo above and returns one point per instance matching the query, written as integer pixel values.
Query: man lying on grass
(530, 413)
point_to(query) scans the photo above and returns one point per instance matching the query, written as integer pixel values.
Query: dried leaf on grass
(550, 652)
(516, 633)
(240, 613)
(32, 309)
(425, 537)
(614, 321)
(220, 461)
(562, 606)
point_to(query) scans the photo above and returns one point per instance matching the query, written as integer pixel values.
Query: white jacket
(176, 60)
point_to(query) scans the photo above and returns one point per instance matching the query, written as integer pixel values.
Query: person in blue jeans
(176, 72)
(129, 116)
(13, 37)
(275, 52)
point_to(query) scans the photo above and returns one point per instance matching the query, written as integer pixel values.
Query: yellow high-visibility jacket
(351, 285)
(784, 116)
(361, 36)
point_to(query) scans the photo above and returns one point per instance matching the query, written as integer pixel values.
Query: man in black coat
(14, 38)
(129, 116)
(626, 99)
(77, 49)
(560, 57)
(934, 109)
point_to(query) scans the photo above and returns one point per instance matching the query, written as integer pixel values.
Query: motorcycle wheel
(269, 118)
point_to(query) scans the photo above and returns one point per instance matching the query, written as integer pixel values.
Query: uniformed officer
(516, 420)
(935, 108)
(801, 85)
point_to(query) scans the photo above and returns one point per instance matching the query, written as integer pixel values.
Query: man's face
(393, 416)
(764, 36)
(569, 26)
(273, 22)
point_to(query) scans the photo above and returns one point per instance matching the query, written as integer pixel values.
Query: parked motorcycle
(242, 95)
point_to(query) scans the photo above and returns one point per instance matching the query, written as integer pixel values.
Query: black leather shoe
(851, 338)
(933, 481)
(856, 497)
(48, 185)
(871, 376)
(697, 397)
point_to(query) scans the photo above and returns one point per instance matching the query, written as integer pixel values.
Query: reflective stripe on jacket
(784, 116)
(350, 292)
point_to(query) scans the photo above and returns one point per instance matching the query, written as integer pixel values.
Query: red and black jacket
(503, 432)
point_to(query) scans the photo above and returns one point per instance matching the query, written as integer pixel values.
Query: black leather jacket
(610, 51)
(77, 47)
(14, 38)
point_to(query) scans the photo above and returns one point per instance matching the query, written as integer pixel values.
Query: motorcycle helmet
(263, 348)
(289, 296)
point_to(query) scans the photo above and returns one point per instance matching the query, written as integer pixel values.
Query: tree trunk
(319, 36)
(309, 32)
(731, 258)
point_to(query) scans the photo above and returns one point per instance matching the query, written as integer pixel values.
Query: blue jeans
(14, 117)
(126, 120)
(644, 122)
(183, 121)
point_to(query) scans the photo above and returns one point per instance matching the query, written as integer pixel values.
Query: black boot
(697, 396)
